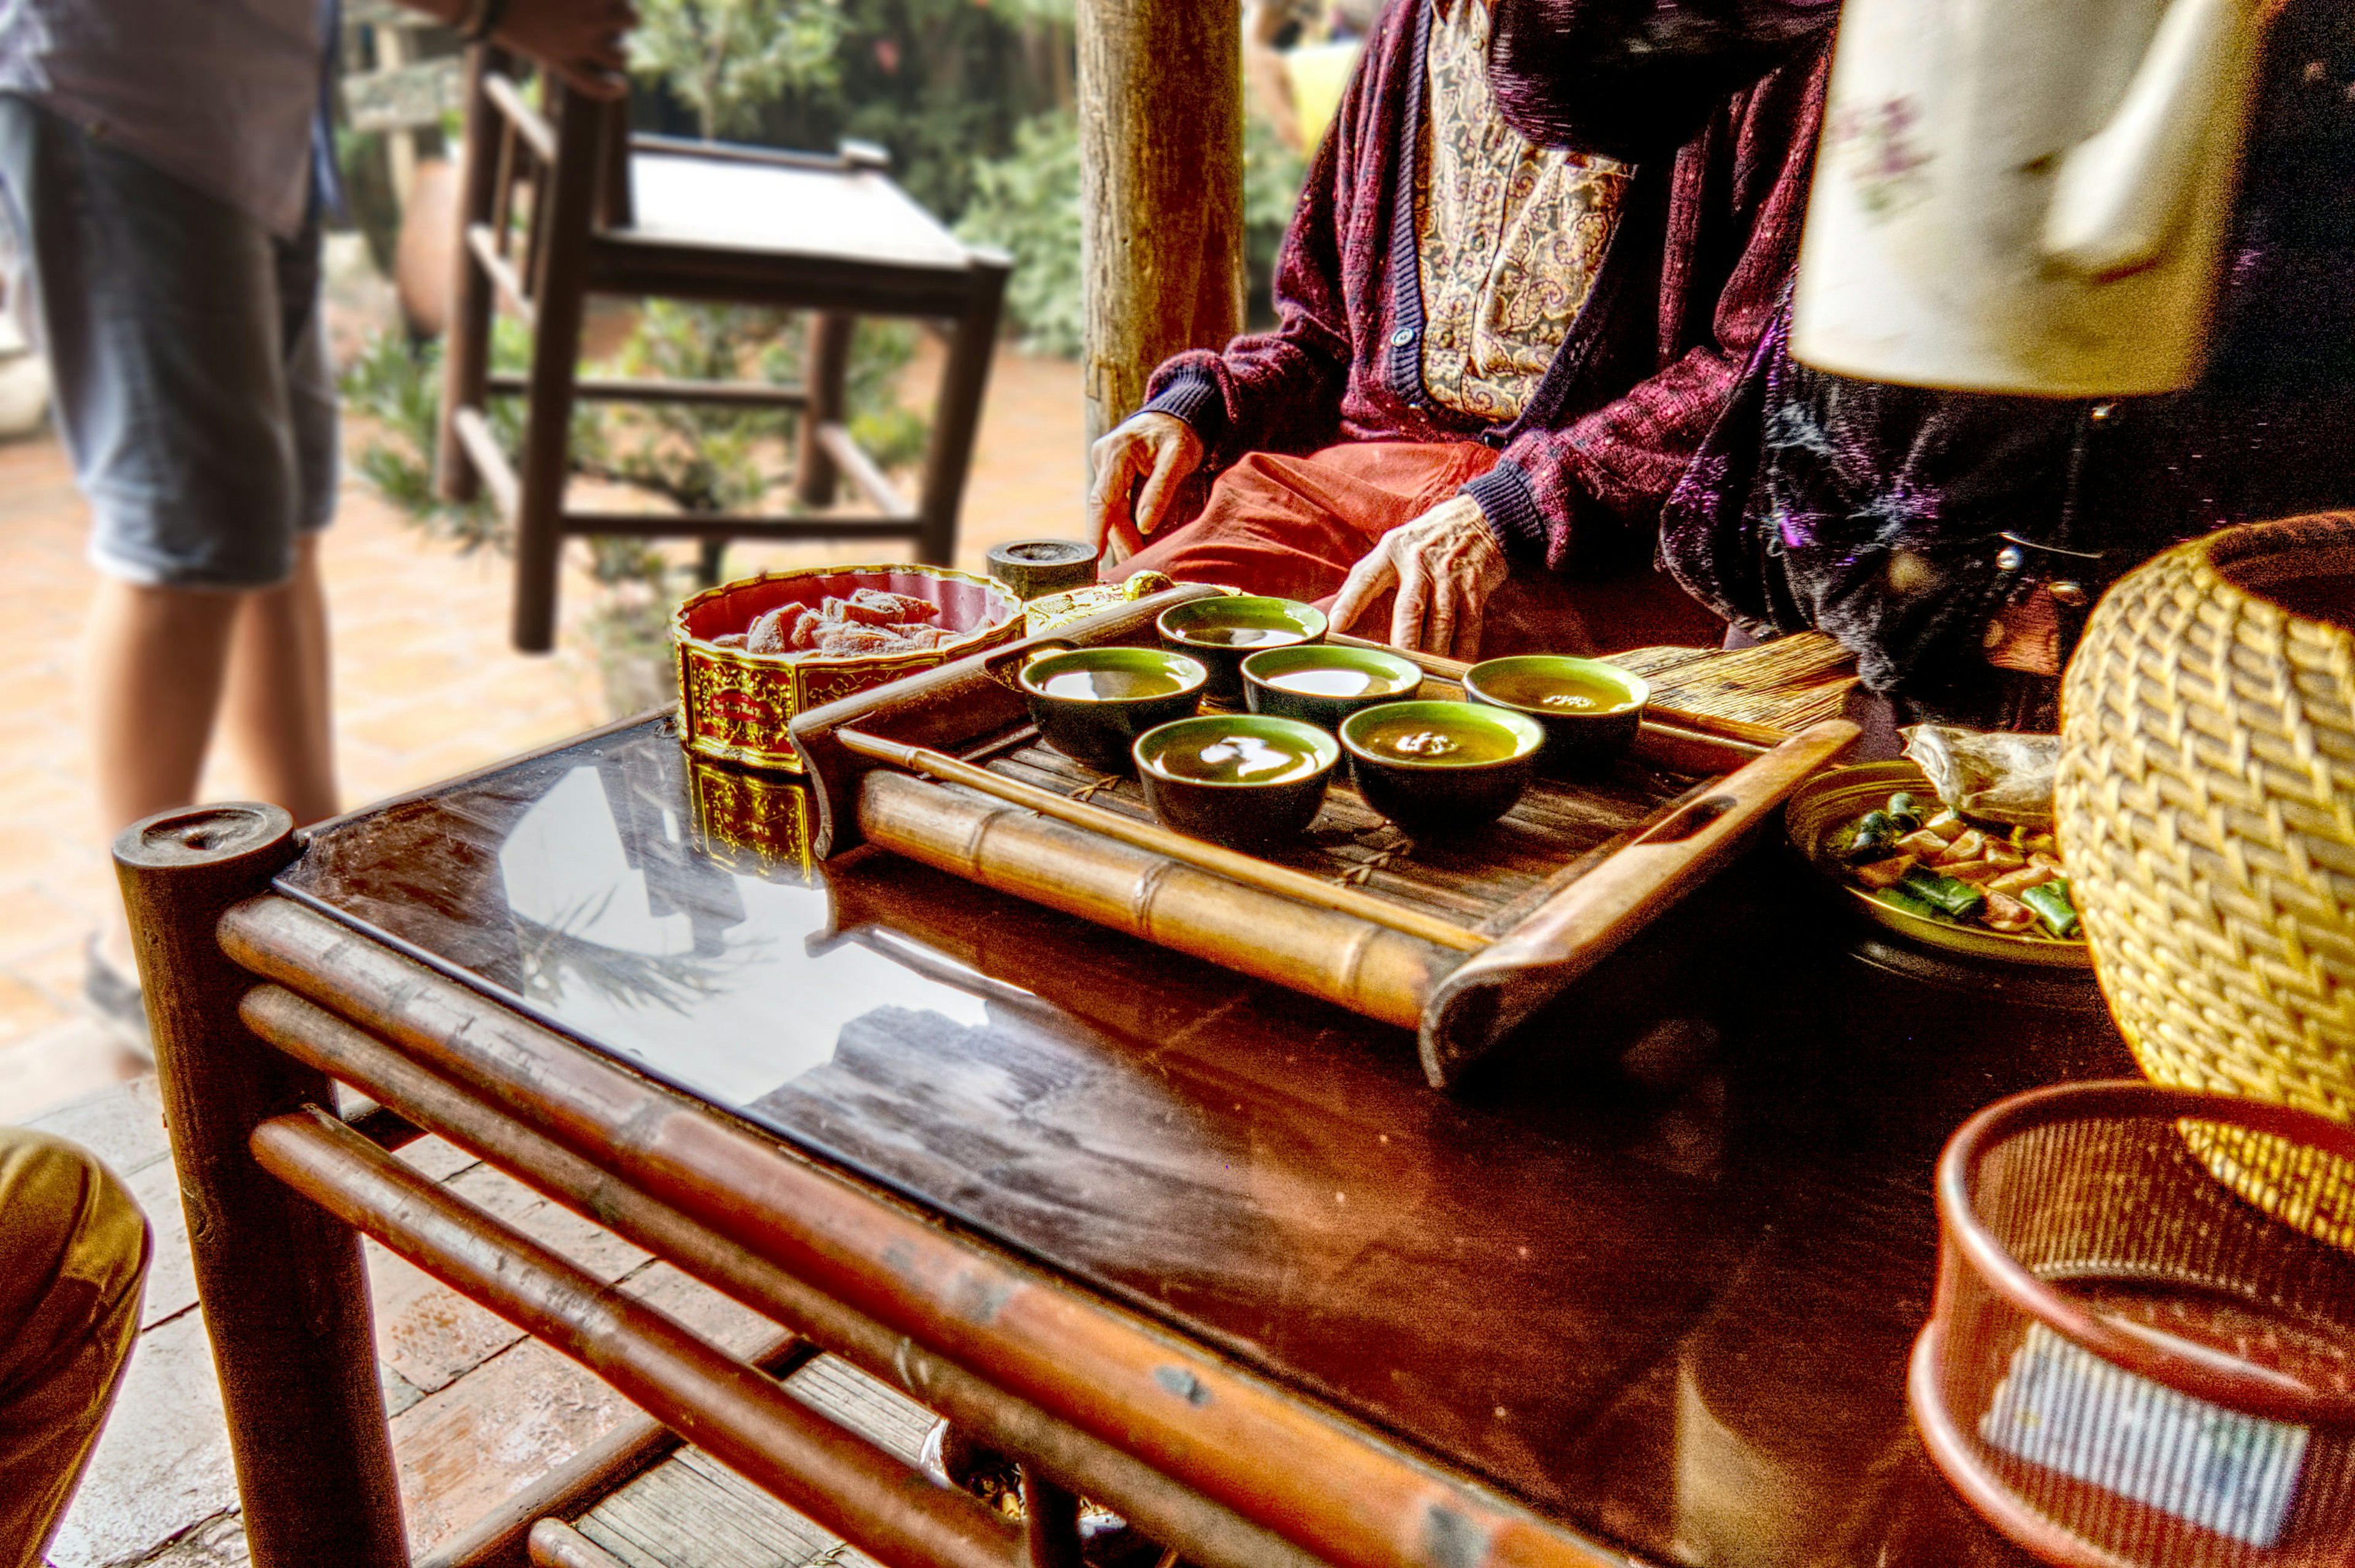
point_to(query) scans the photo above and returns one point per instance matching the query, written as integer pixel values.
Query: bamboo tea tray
(1459, 942)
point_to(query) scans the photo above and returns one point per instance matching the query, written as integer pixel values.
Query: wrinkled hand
(1444, 564)
(579, 40)
(1160, 449)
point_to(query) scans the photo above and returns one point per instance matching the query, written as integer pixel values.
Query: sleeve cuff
(1510, 505)
(1191, 397)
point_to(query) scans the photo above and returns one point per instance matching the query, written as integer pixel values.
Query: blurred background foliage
(942, 85)
(1027, 204)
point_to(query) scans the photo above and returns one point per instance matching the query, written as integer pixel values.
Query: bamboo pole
(283, 1286)
(1233, 865)
(1161, 178)
(556, 1544)
(1211, 1535)
(1331, 1485)
(1478, 1003)
(1355, 963)
(844, 1481)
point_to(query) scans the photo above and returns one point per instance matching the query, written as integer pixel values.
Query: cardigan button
(1402, 336)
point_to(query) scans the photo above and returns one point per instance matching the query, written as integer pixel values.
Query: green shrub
(724, 58)
(396, 383)
(1027, 204)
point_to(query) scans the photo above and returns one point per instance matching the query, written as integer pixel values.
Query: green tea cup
(1238, 779)
(1589, 709)
(1091, 704)
(1441, 767)
(1223, 632)
(1323, 683)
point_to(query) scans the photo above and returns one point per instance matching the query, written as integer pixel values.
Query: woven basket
(2206, 806)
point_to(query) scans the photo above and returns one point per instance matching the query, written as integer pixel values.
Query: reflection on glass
(725, 982)
(750, 822)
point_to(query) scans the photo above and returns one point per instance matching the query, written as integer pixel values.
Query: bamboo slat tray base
(1459, 941)
(1486, 883)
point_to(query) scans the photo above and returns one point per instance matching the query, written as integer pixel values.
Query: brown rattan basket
(2126, 1364)
(2206, 807)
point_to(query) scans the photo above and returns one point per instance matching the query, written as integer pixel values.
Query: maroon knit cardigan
(1705, 240)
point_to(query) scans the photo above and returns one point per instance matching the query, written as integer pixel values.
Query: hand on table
(1444, 564)
(581, 41)
(1160, 449)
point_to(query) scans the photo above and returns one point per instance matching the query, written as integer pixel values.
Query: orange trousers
(1293, 527)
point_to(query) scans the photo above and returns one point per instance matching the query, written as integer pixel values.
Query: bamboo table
(1204, 1250)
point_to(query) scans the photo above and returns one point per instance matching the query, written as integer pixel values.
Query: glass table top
(1688, 1225)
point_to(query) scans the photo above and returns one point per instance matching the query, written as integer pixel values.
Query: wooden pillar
(284, 1284)
(559, 245)
(467, 352)
(957, 414)
(1161, 160)
(826, 374)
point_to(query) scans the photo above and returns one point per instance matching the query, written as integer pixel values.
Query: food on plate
(868, 622)
(1922, 857)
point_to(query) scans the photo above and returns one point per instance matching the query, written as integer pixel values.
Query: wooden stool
(612, 213)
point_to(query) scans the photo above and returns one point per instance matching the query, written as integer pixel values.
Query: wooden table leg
(284, 1284)
(825, 371)
(1051, 1521)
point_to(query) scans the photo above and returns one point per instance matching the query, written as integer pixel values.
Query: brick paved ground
(426, 687)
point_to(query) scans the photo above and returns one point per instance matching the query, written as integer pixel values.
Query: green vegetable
(1905, 811)
(1874, 838)
(1958, 899)
(1898, 898)
(2053, 906)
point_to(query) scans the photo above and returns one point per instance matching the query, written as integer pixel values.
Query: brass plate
(1833, 799)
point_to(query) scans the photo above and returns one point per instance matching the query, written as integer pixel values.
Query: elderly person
(1493, 358)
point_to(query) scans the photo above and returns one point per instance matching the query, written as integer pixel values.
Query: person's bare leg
(276, 711)
(154, 660)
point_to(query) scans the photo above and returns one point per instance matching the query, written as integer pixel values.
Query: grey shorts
(192, 382)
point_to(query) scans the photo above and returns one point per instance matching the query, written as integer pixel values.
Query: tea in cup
(1091, 704)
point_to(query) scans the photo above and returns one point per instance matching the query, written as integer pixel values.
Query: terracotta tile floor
(425, 687)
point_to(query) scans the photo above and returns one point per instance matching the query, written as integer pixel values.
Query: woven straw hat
(2206, 809)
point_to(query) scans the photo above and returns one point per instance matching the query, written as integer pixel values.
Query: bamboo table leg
(283, 1286)
(1050, 1522)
